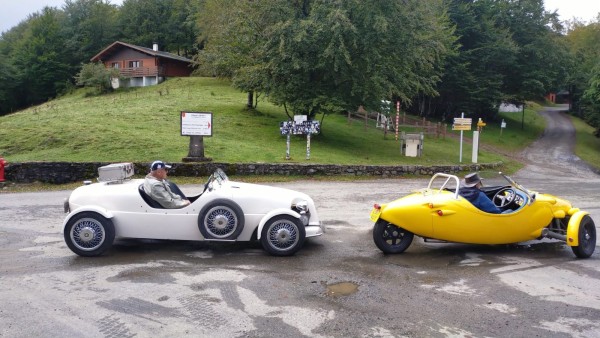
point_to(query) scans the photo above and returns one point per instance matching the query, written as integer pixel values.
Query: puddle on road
(341, 289)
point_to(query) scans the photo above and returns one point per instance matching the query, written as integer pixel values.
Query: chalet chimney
(155, 47)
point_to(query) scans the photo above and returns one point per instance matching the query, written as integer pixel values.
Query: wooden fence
(388, 125)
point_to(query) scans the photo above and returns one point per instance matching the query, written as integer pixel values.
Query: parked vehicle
(439, 212)
(225, 211)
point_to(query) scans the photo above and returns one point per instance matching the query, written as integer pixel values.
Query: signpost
(196, 125)
(461, 123)
(480, 125)
(397, 118)
(299, 126)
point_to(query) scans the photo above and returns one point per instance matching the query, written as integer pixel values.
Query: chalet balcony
(141, 71)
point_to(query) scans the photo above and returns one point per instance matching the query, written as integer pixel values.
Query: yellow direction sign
(462, 123)
(461, 127)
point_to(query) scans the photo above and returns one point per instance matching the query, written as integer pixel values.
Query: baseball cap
(159, 165)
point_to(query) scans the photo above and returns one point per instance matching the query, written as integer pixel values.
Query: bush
(97, 76)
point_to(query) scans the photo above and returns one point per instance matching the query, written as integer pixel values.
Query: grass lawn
(143, 124)
(588, 145)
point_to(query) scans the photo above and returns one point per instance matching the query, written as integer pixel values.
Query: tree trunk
(250, 103)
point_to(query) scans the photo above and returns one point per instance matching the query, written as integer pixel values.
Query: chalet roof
(118, 45)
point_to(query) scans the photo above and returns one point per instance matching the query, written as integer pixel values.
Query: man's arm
(166, 198)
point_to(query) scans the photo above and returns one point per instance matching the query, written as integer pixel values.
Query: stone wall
(65, 172)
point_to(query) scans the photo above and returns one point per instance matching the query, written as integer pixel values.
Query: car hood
(263, 198)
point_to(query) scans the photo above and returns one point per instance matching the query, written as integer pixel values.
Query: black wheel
(587, 238)
(89, 234)
(283, 235)
(221, 219)
(390, 238)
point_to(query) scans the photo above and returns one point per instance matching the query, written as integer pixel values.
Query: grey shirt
(160, 191)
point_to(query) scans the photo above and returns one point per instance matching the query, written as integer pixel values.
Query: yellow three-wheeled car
(440, 212)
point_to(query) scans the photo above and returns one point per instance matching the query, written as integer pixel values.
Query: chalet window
(116, 65)
(135, 64)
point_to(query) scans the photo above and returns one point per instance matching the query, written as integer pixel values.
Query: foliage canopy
(438, 58)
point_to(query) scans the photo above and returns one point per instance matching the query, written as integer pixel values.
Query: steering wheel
(504, 197)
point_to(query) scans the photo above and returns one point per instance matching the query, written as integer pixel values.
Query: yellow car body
(441, 213)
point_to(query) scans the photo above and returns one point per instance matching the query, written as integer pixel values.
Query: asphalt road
(338, 285)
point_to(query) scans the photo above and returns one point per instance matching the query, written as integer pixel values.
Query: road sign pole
(287, 151)
(475, 146)
(462, 116)
(308, 146)
(460, 150)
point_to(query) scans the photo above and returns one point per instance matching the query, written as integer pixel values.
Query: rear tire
(391, 239)
(89, 234)
(221, 219)
(587, 238)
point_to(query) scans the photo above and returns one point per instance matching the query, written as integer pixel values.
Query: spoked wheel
(587, 238)
(282, 235)
(221, 219)
(89, 234)
(390, 238)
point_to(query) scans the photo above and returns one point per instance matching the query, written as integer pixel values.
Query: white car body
(131, 216)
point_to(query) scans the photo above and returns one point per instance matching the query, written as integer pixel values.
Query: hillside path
(552, 155)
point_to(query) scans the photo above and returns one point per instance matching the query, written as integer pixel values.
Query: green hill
(143, 124)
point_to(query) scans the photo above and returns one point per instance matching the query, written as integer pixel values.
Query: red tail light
(376, 206)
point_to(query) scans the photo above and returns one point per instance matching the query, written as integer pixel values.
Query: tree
(97, 76)
(322, 56)
(7, 77)
(170, 23)
(39, 55)
(509, 51)
(591, 101)
(90, 25)
(539, 62)
(584, 82)
(234, 34)
(472, 81)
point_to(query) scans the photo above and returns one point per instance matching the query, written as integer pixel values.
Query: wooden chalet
(141, 66)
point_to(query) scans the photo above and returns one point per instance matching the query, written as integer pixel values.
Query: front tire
(283, 235)
(391, 239)
(89, 234)
(587, 238)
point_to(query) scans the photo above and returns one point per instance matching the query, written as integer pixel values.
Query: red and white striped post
(397, 118)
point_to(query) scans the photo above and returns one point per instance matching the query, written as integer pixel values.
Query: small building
(141, 66)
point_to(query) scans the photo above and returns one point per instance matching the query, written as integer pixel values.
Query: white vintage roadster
(225, 211)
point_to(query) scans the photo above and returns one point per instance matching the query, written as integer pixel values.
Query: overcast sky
(14, 11)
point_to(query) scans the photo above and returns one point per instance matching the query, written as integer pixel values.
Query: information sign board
(300, 118)
(196, 123)
(302, 128)
(462, 123)
(463, 120)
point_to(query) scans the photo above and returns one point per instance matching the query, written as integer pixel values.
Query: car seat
(149, 200)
